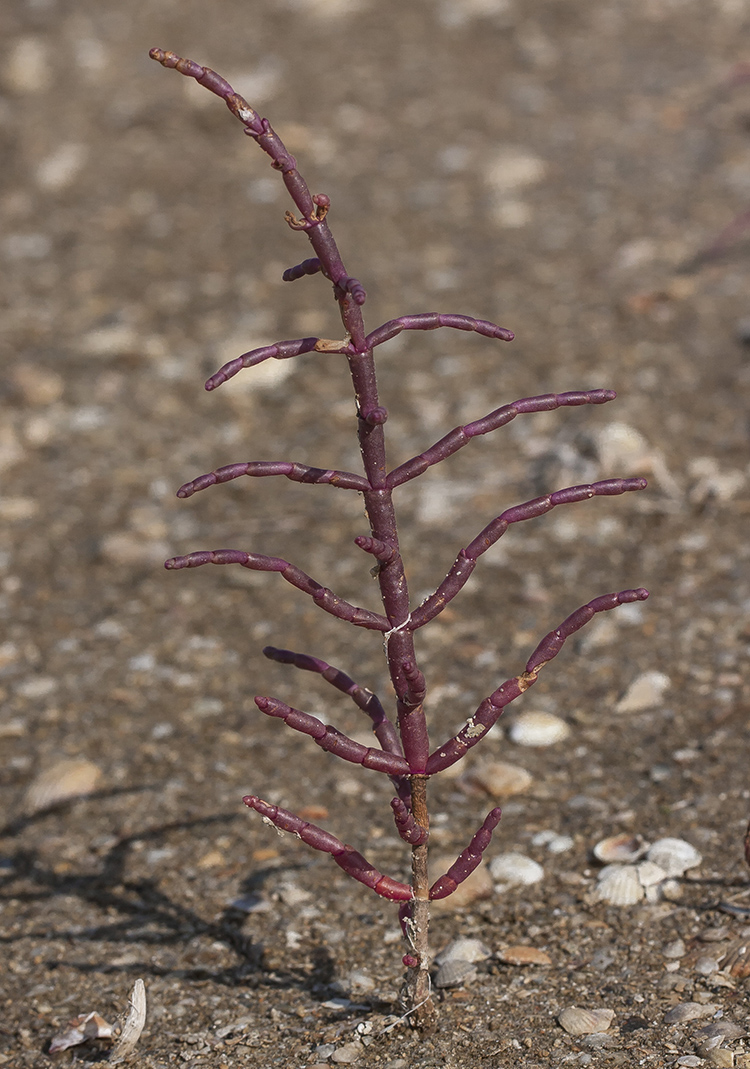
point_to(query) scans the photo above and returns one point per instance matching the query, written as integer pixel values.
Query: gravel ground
(564, 168)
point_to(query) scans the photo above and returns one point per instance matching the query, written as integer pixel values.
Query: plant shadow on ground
(144, 907)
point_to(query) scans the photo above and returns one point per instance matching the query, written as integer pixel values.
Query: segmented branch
(333, 741)
(282, 350)
(490, 709)
(468, 860)
(307, 267)
(353, 863)
(467, 558)
(364, 699)
(461, 436)
(322, 596)
(434, 320)
(298, 473)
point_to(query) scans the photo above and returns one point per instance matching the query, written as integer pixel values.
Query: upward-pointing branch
(466, 560)
(490, 709)
(461, 436)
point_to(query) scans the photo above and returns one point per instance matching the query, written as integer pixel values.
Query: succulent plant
(404, 751)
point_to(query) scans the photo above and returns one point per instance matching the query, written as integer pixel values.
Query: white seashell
(675, 856)
(70, 777)
(511, 868)
(645, 692)
(579, 1022)
(500, 779)
(455, 972)
(619, 885)
(463, 949)
(537, 728)
(621, 849)
(650, 874)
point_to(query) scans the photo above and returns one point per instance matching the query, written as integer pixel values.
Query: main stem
(418, 978)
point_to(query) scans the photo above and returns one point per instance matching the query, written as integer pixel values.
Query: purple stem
(282, 350)
(468, 860)
(298, 473)
(411, 832)
(348, 859)
(333, 741)
(322, 596)
(467, 558)
(461, 436)
(433, 320)
(490, 709)
(364, 699)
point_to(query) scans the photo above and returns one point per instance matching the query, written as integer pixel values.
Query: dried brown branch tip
(401, 748)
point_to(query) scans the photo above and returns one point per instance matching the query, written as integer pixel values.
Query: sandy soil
(560, 167)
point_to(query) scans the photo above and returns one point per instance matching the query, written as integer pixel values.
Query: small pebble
(463, 949)
(500, 779)
(523, 955)
(720, 1056)
(509, 869)
(675, 949)
(556, 844)
(645, 692)
(537, 728)
(689, 1011)
(347, 1054)
(706, 965)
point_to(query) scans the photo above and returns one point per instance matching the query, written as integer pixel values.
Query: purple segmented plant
(404, 751)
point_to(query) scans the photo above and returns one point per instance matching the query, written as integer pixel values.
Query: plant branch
(353, 863)
(434, 320)
(406, 825)
(322, 596)
(281, 350)
(332, 740)
(364, 699)
(467, 558)
(468, 860)
(490, 709)
(461, 436)
(298, 473)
